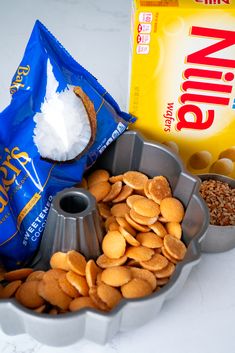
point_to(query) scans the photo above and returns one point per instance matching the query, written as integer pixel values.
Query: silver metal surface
(129, 152)
(73, 223)
(218, 238)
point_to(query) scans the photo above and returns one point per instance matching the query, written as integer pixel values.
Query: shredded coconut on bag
(62, 128)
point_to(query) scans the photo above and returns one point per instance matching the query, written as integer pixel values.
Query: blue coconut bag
(27, 182)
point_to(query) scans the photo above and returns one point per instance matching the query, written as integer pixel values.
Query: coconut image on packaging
(66, 125)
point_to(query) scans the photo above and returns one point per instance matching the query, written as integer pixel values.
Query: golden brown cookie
(146, 275)
(115, 178)
(139, 253)
(150, 240)
(156, 263)
(174, 247)
(162, 219)
(146, 189)
(79, 282)
(97, 300)
(35, 276)
(100, 190)
(104, 262)
(98, 176)
(116, 276)
(162, 281)
(135, 225)
(10, 289)
(158, 228)
(108, 221)
(76, 262)
(109, 295)
(131, 199)
(28, 295)
(142, 219)
(16, 293)
(124, 224)
(104, 210)
(147, 208)
(53, 294)
(114, 191)
(128, 237)
(114, 245)
(172, 209)
(98, 279)
(92, 271)
(81, 303)
(67, 287)
(120, 209)
(165, 272)
(113, 226)
(124, 194)
(140, 192)
(174, 228)
(59, 260)
(53, 274)
(135, 180)
(159, 188)
(136, 288)
(168, 256)
(17, 274)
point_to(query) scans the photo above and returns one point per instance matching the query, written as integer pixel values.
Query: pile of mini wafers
(141, 248)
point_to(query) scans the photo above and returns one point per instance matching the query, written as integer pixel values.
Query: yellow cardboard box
(182, 79)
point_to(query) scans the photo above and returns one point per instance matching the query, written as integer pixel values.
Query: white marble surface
(202, 317)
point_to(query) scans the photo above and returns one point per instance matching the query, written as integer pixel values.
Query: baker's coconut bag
(27, 181)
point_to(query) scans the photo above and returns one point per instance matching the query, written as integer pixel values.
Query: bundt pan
(129, 152)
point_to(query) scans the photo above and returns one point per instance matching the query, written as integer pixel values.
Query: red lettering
(203, 73)
(197, 114)
(200, 98)
(213, 2)
(201, 56)
(207, 86)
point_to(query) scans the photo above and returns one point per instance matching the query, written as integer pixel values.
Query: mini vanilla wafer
(135, 180)
(136, 288)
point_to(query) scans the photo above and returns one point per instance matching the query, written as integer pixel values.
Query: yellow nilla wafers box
(182, 86)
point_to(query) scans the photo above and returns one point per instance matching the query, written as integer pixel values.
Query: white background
(97, 33)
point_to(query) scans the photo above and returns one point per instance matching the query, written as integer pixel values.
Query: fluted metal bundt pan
(129, 152)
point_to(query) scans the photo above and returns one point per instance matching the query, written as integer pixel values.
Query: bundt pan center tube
(73, 223)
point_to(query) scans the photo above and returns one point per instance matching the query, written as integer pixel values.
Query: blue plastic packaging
(27, 182)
